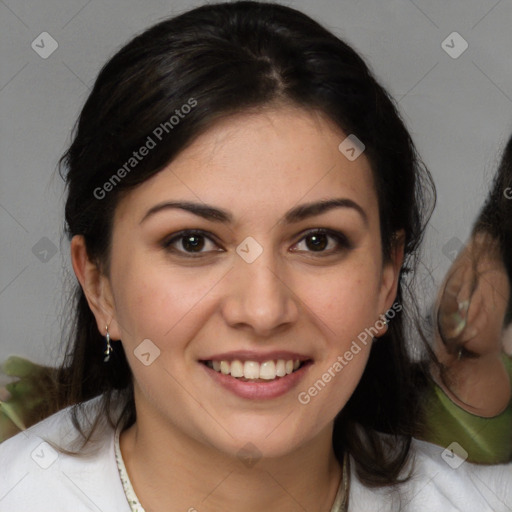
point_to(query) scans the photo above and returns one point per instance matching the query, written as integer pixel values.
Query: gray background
(459, 111)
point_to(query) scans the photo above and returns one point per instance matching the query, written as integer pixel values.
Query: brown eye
(317, 242)
(190, 242)
(324, 241)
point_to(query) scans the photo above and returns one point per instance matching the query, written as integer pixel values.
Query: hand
(469, 336)
(473, 302)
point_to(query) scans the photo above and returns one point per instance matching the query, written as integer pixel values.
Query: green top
(487, 440)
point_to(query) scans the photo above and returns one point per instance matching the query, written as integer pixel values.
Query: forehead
(261, 163)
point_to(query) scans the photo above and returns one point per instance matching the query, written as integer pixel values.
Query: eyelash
(340, 238)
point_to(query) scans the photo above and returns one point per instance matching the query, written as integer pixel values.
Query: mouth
(254, 371)
(256, 375)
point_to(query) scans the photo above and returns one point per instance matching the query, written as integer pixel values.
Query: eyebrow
(294, 215)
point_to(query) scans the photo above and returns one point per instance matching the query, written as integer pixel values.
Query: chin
(255, 437)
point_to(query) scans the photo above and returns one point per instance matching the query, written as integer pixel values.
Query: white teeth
(251, 370)
(225, 367)
(267, 370)
(280, 368)
(237, 369)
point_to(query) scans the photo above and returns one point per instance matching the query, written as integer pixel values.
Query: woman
(243, 204)
(473, 401)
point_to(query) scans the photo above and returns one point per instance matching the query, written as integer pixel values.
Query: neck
(171, 471)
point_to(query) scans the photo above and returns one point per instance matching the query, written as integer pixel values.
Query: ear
(96, 287)
(391, 273)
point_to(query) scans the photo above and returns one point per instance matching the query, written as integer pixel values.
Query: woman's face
(253, 287)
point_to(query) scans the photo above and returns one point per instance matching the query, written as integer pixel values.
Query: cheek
(345, 310)
(333, 381)
(155, 302)
(345, 302)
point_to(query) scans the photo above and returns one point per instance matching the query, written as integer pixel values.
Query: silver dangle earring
(108, 346)
(385, 323)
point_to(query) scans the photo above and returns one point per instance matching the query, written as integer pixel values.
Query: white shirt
(34, 477)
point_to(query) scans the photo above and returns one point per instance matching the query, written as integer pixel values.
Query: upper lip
(259, 357)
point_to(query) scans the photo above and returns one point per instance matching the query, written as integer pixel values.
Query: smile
(254, 371)
(269, 378)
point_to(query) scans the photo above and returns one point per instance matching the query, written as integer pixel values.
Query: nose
(260, 297)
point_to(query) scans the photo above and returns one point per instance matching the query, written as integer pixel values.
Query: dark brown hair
(495, 216)
(232, 58)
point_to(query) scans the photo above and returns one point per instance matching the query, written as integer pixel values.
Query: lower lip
(259, 390)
